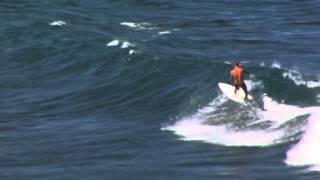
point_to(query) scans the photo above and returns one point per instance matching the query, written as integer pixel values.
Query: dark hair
(236, 64)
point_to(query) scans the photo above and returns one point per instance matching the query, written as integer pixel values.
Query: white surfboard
(228, 90)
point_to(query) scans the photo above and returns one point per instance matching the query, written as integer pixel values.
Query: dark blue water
(88, 87)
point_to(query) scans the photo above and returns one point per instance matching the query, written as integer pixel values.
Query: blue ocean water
(127, 89)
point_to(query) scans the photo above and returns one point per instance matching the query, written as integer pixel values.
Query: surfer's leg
(244, 87)
(236, 87)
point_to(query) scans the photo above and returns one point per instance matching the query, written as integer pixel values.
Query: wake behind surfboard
(228, 91)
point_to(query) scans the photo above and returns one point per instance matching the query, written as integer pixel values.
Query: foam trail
(192, 129)
(306, 151)
(214, 124)
(200, 127)
(279, 113)
(195, 127)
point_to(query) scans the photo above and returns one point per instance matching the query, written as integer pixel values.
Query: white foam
(313, 84)
(57, 23)
(279, 113)
(137, 26)
(297, 78)
(131, 51)
(276, 65)
(164, 32)
(306, 151)
(195, 127)
(251, 85)
(216, 102)
(262, 64)
(129, 24)
(314, 168)
(114, 43)
(126, 44)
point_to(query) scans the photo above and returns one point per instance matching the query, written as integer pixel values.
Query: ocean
(127, 89)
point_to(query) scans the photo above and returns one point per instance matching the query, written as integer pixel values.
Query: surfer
(236, 76)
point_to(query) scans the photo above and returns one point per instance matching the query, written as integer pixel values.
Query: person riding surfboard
(237, 78)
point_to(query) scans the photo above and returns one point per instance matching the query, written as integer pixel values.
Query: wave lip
(296, 77)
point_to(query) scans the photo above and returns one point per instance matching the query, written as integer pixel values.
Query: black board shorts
(243, 86)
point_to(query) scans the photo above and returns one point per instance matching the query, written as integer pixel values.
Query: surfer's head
(236, 64)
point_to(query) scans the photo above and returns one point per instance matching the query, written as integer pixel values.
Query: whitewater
(270, 124)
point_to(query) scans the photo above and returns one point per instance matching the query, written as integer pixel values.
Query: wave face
(128, 89)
